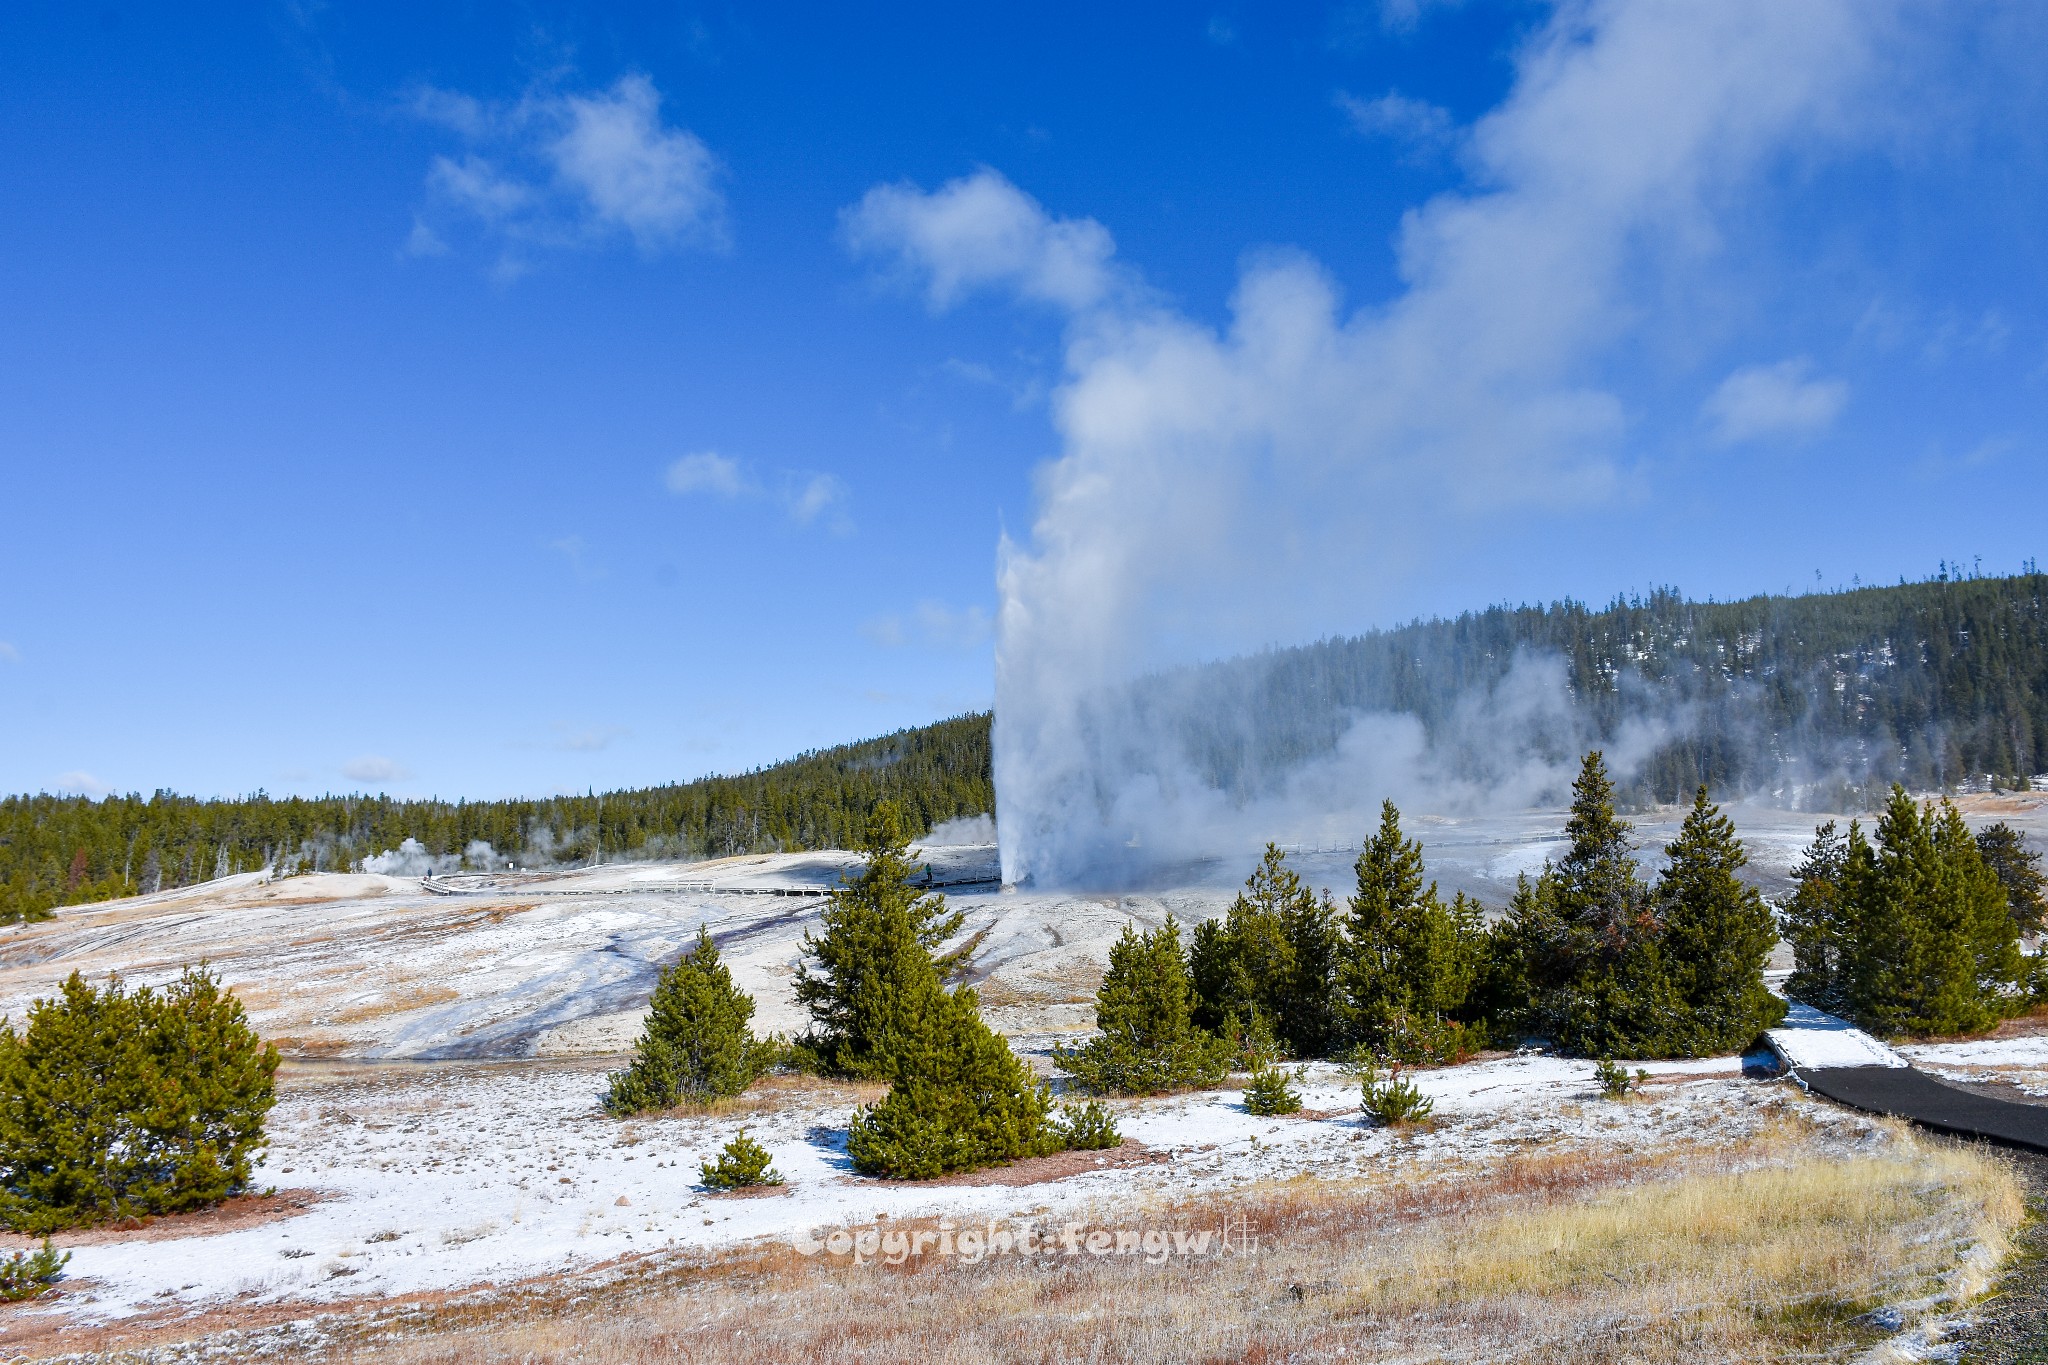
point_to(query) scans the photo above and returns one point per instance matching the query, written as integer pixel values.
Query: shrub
(1271, 1092)
(1149, 1043)
(1088, 1128)
(695, 1045)
(25, 1274)
(1614, 1079)
(742, 1164)
(118, 1103)
(1394, 1100)
(962, 1100)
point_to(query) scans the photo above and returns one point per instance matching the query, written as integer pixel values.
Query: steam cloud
(1219, 489)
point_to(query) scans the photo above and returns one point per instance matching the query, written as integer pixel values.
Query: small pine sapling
(1394, 1100)
(25, 1274)
(1272, 1092)
(1615, 1081)
(1088, 1128)
(743, 1164)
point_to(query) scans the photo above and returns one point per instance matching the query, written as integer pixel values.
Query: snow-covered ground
(452, 1174)
(1811, 1039)
(449, 1050)
(561, 964)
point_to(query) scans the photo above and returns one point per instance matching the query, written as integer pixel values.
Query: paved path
(1903, 1092)
(1832, 1057)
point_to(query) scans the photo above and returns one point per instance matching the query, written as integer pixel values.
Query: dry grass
(402, 1000)
(773, 1093)
(1760, 1250)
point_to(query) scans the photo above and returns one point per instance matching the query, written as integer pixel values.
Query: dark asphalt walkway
(1907, 1093)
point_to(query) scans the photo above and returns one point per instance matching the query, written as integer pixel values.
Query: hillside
(1818, 698)
(58, 850)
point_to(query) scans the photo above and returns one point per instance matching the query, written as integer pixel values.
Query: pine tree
(2004, 849)
(695, 1045)
(118, 1103)
(1816, 917)
(1717, 935)
(1584, 939)
(1310, 1010)
(1410, 961)
(1247, 964)
(1148, 1042)
(1913, 935)
(959, 1098)
(1270, 965)
(866, 994)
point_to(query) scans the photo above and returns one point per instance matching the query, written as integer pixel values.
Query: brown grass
(396, 1002)
(1752, 1251)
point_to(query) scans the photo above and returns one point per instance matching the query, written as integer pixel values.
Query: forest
(1838, 694)
(1820, 701)
(58, 850)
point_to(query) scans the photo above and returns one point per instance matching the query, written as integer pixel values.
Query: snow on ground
(1809, 1039)
(452, 1130)
(2021, 1062)
(451, 1174)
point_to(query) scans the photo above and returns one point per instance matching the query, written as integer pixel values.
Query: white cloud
(1405, 16)
(560, 170)
(1220, 31)
(79, 783)
(660, 184)
(587, 740)
(934, 625)
(373, 768)
(1421, 126)
(706, 472)
(980, 232)
(1773, 400)
(1219, 488)
(572, 549)
(806, 497)
(8, 653)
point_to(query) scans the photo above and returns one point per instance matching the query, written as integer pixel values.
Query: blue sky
(494, 401)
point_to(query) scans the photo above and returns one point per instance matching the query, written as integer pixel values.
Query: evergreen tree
(1410, 962)
(958, 1098)
(1310, 1012)
(1816, 917)
(1717, 935)
(1148, 1041)
(1271, 964)
(1584, 936)
(961, 1100)
(1913, 935)
(118, 1103)
(867, 992)
(2004, 850)
(1246, 964)
(695, 1045)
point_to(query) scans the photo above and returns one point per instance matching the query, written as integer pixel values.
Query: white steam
(1221, 489)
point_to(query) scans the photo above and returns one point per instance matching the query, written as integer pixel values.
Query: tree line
(1914, 931)
(67, 850)
(1837, 694)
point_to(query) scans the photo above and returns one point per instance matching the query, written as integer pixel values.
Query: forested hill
(1819, 699)
(62, 850)
(1826, 697)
